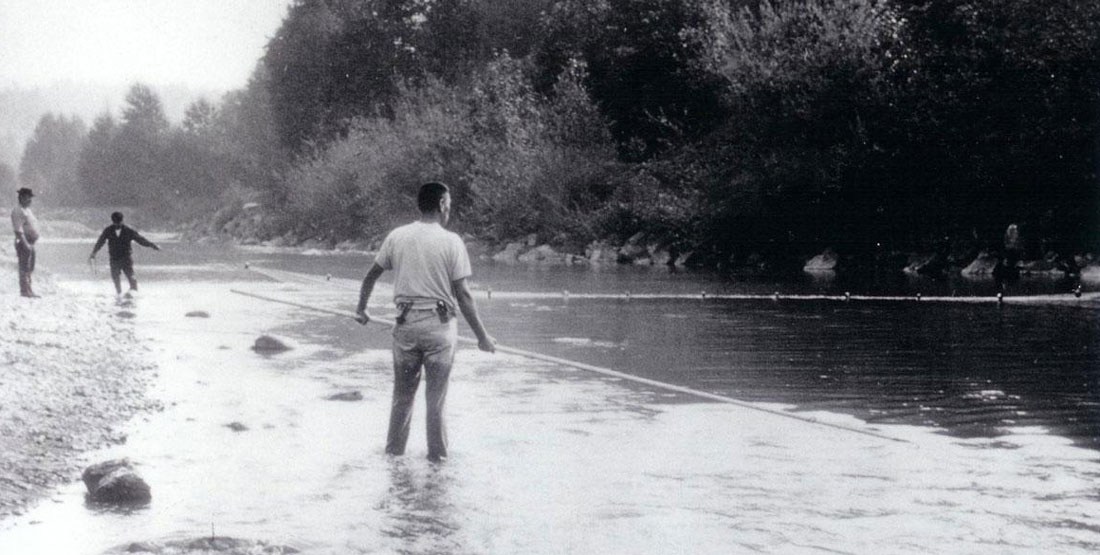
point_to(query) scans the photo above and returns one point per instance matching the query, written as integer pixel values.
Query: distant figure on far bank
(25, 226)
(430, 266)
(118, 238)
(1007, 269)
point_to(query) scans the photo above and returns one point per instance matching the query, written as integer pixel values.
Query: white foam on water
(586, 342)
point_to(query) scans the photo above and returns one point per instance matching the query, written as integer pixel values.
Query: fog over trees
(726, 127)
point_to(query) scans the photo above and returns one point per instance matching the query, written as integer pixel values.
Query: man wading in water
(430, 267)
(118, 238)
(25, 226)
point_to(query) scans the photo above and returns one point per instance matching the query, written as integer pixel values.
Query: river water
(999, 405)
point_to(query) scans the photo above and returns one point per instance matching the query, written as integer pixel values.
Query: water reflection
(420, 514)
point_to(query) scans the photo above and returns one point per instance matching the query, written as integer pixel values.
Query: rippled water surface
(999, 406)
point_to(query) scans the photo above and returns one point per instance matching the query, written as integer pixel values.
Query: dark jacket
(118, 240)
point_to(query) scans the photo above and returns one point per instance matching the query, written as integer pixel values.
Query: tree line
(727, 127)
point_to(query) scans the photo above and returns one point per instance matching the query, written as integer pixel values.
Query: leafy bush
(517, 162)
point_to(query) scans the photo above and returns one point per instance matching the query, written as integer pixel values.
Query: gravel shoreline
(70, 370)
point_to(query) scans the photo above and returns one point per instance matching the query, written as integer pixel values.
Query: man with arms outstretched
(118, 238)
(430, 266)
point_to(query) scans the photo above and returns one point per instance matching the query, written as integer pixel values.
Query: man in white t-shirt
(25, 226)
(430, 266)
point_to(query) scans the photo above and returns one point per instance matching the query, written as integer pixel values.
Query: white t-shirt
(425, 259)
(23, 220)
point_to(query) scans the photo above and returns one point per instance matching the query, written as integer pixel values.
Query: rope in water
(595, 369)
(1089, 299)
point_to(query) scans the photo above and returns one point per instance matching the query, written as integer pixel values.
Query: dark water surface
(971, 370)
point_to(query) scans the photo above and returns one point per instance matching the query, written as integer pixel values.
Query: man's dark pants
(422, 344)
(124, 265)
(26, 256)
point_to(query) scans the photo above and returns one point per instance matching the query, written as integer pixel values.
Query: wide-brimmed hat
(25, 191)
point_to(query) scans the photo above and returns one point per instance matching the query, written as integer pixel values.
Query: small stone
(237, 427)
(270, 344)
(346, 396)
(197, 314)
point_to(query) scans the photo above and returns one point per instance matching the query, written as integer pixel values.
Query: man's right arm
(361, 314)
(469, 310)
(99, 242)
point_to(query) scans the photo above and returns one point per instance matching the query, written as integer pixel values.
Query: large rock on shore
(827, 261)
(662, 257)
(599, 251)
(476, 249)
(544, 254)
(983, 265)
(510, 253)
(634, 250)
(1039, 266)
(1091, 273)
(116, 482)
(628, 254)
(927, 265)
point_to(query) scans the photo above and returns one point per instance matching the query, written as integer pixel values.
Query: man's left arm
(145, 242)
(468, 307)
(460, 270)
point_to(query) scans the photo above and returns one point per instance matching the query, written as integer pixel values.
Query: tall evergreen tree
(97, 168)
(8, 179)
(51, 156)
(139, 146)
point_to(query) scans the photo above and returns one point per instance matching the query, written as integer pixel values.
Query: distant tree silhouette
(97, 168)
(139, 147)
(50, 158)
(199, 116)
(8, 180)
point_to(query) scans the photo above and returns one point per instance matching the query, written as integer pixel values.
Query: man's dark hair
(427, 200)
(116, 217)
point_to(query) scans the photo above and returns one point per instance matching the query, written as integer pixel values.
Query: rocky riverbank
(251, 226)
(70, 370)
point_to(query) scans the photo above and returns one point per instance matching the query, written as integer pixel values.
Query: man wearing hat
(25, 226)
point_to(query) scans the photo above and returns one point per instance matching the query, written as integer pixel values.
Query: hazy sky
(204, 44)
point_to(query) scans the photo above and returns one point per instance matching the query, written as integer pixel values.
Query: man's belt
(441, 309)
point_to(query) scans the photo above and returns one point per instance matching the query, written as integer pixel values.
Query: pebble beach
(70, 374)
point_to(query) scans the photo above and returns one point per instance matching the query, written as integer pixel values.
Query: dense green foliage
(727, 127)
(518, 162)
